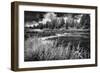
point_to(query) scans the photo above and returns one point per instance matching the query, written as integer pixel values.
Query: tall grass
(36, 50)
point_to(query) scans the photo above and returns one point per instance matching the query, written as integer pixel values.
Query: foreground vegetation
(39, 50)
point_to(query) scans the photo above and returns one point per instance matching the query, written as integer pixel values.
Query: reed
(36, 50)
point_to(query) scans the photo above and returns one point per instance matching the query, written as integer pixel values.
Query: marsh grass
(36, 50)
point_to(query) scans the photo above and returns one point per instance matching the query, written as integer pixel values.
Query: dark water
(83, 41)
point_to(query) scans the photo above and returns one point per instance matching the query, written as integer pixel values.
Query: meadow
(57, 48)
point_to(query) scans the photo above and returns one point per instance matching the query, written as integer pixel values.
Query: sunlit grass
(37, 50)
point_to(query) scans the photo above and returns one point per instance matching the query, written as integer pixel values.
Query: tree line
(51, 21)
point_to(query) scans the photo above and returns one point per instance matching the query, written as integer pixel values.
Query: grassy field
(55, 49)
